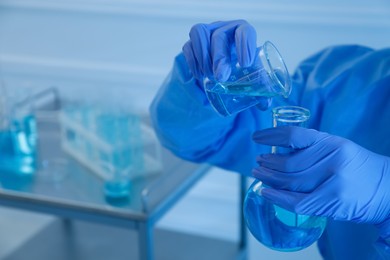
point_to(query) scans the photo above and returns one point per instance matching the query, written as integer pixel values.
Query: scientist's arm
(326, 175)
(185, 122)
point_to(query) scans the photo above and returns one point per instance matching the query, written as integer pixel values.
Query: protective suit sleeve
(187, 125)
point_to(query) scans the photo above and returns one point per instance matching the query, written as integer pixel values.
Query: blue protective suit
(347, 90)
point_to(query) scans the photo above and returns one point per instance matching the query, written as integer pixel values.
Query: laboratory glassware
(247, 86)
(273, 226)
(18, 132)
(117, 184)
(112, 142)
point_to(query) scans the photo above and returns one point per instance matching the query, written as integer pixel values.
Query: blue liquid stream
(267, 223)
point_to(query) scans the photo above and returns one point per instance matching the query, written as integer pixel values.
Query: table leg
(145, 238)
(243, 244)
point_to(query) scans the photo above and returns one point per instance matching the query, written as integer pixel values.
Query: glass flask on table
(18, 133)
(273, 226)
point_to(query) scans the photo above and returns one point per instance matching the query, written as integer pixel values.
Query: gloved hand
(325, 175)
(214, 48)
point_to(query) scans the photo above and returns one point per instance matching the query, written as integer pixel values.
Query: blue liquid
(278, 228)
(226, 100)
(117, 188)
(226, 104)
(244, 89)
(18, 146)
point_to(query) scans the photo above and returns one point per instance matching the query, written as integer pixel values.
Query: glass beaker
(273, 226)
(266, 77)
(118, 184)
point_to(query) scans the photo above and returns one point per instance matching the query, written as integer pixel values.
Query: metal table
(76, 193)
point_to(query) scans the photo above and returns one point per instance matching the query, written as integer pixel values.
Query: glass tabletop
(62, 182)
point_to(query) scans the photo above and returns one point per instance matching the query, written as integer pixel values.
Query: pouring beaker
(247, 86)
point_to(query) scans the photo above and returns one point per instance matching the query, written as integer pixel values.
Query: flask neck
(289, 116)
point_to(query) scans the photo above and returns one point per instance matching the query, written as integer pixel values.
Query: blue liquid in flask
(18, 146)
(273, 226)
(278, 228)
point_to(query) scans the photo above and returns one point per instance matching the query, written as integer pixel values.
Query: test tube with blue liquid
(107, 139)
(118, 184)
(121, 129)
(273, 226)
(247, 86)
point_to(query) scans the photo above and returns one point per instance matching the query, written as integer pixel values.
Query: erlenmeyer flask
(273, 226)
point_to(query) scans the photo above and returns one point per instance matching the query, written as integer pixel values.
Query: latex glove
(325, 175)
(214, 48)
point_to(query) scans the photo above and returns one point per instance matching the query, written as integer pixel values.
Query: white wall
(131, 43)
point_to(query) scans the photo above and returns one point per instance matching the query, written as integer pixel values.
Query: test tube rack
(140, 155)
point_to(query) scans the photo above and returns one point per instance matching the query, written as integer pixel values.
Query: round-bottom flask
(273, 226)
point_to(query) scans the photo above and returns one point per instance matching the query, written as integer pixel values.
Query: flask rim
(290, 114)
(272, 61)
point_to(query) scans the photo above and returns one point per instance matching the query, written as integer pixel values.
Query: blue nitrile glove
(325, 175)
(214, 48)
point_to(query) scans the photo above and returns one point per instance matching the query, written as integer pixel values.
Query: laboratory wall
(96, 47)
(120, 51)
